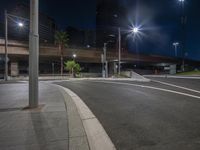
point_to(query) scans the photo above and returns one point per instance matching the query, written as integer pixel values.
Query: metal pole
(105, 60)
(119, 64)
(176, 50)
(102, 61)
(53, 69)
(6, 46)
(33, 54)
(183, 22)
(106, 69)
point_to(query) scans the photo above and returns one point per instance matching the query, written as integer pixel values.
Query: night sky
(76, 13)
(161, 26)
(160, 19)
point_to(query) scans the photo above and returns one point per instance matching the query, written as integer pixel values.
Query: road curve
(139, 118)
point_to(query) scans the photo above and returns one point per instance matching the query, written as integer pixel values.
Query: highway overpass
(18, 53)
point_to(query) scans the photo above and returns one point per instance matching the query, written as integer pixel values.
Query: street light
(135, 30)
(175, 44)
(74, 56)
(20, 24)
(183, 23)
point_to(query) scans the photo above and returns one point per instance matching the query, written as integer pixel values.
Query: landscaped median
(190, 73)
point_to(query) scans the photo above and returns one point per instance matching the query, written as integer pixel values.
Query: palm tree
(61, 39)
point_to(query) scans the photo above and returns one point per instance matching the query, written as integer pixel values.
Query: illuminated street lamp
(135, 30)
(20, 24)
(175, 44)
(74, 56)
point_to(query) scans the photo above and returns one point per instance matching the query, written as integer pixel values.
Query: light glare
(135, 29)
(74, 55)
(20, 24)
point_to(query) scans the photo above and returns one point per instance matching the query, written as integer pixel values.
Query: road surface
(145, 116)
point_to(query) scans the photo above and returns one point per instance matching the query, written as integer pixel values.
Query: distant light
(115, 15)
(74, 55)
(181, 0)
(176, 43)
(111, 35)
(135, 30)
(20, 24)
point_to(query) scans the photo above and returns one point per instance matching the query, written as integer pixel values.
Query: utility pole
(33, 54)
(6, 46)
(119, 54)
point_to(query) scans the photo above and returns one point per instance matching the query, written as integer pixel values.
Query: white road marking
(173, 85)
(151, 87)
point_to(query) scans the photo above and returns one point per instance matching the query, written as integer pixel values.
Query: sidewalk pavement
(54, 125)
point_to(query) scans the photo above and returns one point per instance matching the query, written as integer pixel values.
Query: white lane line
(151, 87)
(173, 85)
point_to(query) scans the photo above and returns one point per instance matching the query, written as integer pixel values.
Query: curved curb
(96, 135)
(111, 79)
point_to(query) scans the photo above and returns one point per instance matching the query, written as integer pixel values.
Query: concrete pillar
(33, 54)
(14, 69)
(113, 68)
(172, 70)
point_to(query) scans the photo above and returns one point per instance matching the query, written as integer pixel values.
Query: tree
(61, 39)
(72, 67)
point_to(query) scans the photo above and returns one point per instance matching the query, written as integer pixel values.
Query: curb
(96, 134)
(111, 79)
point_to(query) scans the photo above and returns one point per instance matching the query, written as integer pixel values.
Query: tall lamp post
(33, 54)
(20, 24)
(183, 24)
(74, 56)
(135, 30)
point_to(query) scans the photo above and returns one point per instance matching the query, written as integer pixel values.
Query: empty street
(163, 114)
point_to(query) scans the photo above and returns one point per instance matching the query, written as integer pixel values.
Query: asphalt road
(145, 116)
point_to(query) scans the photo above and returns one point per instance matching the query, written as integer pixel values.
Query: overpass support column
(14, 68)
(113, 68)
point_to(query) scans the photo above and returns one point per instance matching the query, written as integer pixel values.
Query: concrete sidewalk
(51, 126)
